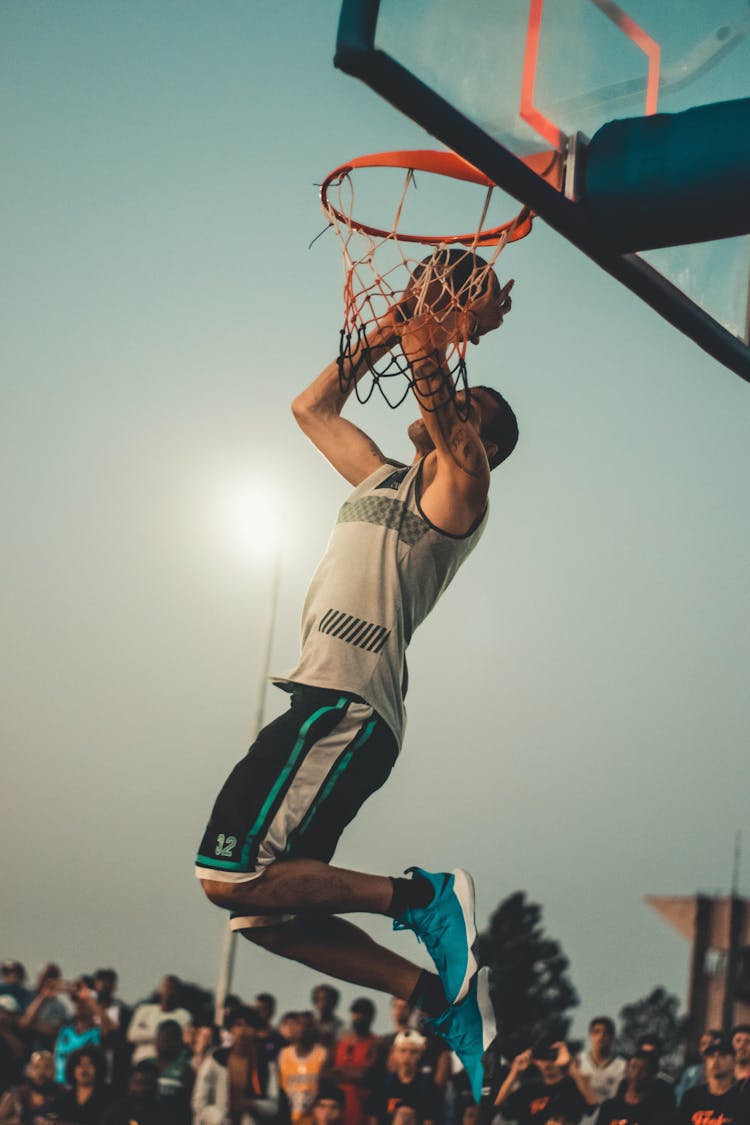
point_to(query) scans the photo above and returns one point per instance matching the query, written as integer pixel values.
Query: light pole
(229, 943)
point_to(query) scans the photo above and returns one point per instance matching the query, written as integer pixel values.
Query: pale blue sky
(578, 709)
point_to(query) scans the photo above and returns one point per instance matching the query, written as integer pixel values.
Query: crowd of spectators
(547, 1085)
(73, 1053)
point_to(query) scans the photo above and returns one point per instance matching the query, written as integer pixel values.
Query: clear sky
(578, 707)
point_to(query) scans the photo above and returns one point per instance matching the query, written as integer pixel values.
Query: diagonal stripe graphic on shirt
(353, 630)
(356, 636)
(378, 640)
(327, 616)
(341, 624)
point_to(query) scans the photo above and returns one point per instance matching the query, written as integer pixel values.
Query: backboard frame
(357, 55)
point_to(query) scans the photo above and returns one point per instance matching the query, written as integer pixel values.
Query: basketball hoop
(381, 274)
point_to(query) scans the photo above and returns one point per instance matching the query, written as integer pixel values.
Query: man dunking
(398, 542)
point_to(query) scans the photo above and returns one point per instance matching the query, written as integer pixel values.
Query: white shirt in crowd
(604, 1079)
(142, 1029)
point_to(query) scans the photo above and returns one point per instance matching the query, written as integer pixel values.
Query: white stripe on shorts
(308, 780)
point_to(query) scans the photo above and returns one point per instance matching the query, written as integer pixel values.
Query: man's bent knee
(247, 914)
(226, 895)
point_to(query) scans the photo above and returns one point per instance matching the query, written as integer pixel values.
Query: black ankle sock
(428, 995)
(414, 894)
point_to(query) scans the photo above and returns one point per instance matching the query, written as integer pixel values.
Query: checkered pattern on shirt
(392, 514)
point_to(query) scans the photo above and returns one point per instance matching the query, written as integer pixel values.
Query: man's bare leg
(328, 944)
(298, 886)
(337, 948)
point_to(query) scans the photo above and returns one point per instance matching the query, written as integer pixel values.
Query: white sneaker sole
(463, 886)
(486, 1010)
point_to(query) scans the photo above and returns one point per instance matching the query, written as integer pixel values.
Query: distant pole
(260, 713)
(736, 864)
(229, 944)
(699, 987)
(736, 916)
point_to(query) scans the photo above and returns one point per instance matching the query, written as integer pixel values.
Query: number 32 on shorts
(225, 845)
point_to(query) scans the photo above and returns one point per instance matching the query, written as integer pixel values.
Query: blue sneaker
(447, 928)
(469, 1028)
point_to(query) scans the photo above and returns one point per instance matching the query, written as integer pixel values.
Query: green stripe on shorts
(283, 777)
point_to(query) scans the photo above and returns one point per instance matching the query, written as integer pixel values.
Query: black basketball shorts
(299, 785)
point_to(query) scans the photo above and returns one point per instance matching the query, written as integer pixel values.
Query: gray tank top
(384, 569)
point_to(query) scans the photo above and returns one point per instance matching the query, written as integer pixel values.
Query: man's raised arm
(318, 411)
(455, 495)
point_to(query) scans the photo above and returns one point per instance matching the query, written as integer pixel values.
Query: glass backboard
(497, 80)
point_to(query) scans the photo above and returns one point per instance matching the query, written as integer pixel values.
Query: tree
(530, 987)
(655, 1014)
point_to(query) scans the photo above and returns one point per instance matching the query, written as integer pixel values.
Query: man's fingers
(505, 299)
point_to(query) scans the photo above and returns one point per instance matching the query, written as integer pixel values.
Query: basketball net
(387, 281)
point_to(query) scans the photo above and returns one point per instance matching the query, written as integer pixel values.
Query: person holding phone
(544, 1082)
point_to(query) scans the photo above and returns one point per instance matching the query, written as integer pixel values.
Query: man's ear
(491, 449)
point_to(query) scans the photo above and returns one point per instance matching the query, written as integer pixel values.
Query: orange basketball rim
(546, 164)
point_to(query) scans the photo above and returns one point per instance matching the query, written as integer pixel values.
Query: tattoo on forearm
(371, 444)
(435, 392)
